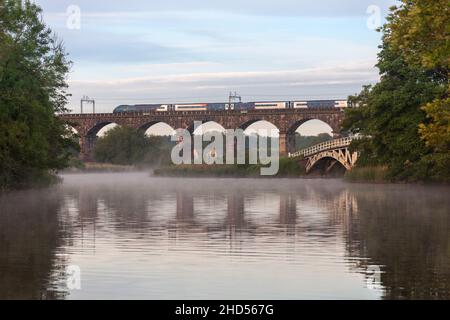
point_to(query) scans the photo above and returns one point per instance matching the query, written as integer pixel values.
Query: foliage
(33, 68)
(421, 33)
(437, 132)
(377, 174)
(413, 75)
(127, 146)
(288, 167)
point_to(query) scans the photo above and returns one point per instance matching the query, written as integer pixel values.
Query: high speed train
(262, 105)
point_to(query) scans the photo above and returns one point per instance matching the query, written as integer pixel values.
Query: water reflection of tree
(407, 232)
(29, 239)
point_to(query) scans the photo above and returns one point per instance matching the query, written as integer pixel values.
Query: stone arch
(222, 128)
(293, 126)
(87, 143)
(93, 131)
(272, 122)
(248, 123)
(147, 125)
(268, 127)
(244, 126)
(333, 122)
(191, 128)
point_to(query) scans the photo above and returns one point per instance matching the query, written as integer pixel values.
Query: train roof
(264, 101)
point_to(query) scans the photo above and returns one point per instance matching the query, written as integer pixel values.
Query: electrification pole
(233, 97)
(86, 99)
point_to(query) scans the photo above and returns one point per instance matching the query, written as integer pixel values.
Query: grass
(100, 167)
(287, 168)
(377, 174)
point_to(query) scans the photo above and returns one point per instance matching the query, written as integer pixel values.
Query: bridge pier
(87, 144)
(283, 144)
(286, 143)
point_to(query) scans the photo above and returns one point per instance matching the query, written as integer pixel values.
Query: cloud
(324, 8)
(198, 50)
(105, 48)
(321, 82)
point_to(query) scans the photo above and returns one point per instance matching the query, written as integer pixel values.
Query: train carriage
(243, 106)
(191, 107)
(271, 105)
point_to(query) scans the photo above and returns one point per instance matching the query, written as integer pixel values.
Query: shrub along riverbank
(288, 168)
(93, 167)
(368, 175)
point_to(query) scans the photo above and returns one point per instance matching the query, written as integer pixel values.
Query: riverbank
(287, 168)
(88, 167)
(380, 174)
(34, 180)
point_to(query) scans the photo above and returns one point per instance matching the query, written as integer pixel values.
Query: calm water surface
(136, 236)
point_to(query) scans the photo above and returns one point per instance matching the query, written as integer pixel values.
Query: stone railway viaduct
(287, 121)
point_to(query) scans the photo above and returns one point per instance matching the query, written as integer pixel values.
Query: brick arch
(147, 125)
(332, 120)
(191, 128)
(73, 128)
(93, 131)
(249, 122)
(81, 130)
(294, 124)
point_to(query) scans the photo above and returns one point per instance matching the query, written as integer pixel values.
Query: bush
(127, 146)
(288, 168)
(378, 174)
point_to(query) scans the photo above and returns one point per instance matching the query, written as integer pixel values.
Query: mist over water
(137, 236)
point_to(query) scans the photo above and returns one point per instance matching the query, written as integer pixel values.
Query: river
(133, 236)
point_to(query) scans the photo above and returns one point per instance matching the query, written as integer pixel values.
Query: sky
(137, 51)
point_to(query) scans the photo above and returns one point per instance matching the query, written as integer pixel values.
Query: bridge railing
(327, 145)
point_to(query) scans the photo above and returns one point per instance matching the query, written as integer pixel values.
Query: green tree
(127, 146)
(33, 68)
(420, 32)
(389, 113)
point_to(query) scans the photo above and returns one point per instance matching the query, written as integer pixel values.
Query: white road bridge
(336, 149)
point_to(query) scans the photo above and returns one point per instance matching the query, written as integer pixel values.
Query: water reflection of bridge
(235, 218)
(186, 213)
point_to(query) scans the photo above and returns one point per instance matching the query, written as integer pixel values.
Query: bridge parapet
(323, 146)
(314, 111)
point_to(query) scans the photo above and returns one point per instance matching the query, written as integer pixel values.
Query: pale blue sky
(178, 51)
